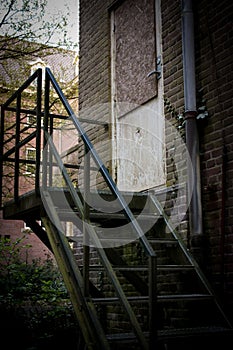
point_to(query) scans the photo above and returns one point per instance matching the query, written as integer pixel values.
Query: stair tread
(211, 330)
(141, 267)
(193, 296)
(101, 214)
(127, 238)
(171, 333)
(145, 298)
(163, 240)
(107, 300)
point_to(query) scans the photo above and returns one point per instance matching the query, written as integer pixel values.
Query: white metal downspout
(192, 138)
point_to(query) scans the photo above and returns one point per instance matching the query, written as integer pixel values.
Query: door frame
(160, 85)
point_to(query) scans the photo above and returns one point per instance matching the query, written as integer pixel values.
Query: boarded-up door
(138, 120)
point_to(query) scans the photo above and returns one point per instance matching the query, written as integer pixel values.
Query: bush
(34, 302)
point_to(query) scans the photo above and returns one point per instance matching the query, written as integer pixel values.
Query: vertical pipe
(17, 141)
(38, 130)
(192, 138)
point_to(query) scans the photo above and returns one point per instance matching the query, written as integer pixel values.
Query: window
(31, 120)
(30, 156)
(36, 65)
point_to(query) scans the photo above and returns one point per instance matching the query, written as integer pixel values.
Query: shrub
(33, 299)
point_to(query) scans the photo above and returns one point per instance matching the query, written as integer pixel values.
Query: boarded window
(135, 51)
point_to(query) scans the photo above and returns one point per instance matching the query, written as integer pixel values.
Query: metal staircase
(131, 279)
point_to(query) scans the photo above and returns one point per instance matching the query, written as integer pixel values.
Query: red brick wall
(14, 229)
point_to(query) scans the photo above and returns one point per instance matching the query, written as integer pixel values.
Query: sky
(55, 6)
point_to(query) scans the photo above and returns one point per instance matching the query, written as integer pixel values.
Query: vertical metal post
(38, 130)
(152, 300)
(1, 151)
(86, 247)
(50, 153)
(46, 127)
(17, 148)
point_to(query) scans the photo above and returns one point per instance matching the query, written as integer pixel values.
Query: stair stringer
(75, 283)
(84, 309)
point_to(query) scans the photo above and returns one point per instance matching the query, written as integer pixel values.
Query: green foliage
(22, 281)
(33, 294)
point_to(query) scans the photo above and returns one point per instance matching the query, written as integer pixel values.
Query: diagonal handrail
(94, 237)
(90, 150)
(103, 170)
(189, 257)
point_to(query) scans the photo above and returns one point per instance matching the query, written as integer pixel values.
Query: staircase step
(121, 337)
(190, 332)
(102, 215)
(117, 268)
(163, 241)
(137, 268)
(111, 300)
(172, 334)
(128, 238)
(175, 267)
(193, 296)
(160, 298)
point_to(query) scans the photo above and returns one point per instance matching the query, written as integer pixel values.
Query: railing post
(50, 153)
(17, 148)
(1, 151)
(46, 129)
(86, 242)
(38, 130)
(152, 266)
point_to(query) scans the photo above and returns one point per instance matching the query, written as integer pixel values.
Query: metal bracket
(158, 70)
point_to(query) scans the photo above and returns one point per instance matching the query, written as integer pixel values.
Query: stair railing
(6, 148)
(12, 154)
(84, 212)
(89, 148)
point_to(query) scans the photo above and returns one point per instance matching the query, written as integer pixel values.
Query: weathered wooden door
(137, 106)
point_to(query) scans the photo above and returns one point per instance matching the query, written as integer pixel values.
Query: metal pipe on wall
(192, 137)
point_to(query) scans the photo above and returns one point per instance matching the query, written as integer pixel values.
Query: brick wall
(94, 78)
(15, 229)
(95, 84)
(213, 26)
(214, 76)
(213, 35)
(174, 108)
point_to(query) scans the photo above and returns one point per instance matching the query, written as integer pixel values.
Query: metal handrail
(84, 211)
(24, 86)
(108, 267)
(48, 160)
(103, 170)
(17, 96)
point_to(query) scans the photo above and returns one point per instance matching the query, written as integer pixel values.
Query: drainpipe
(192, 138)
